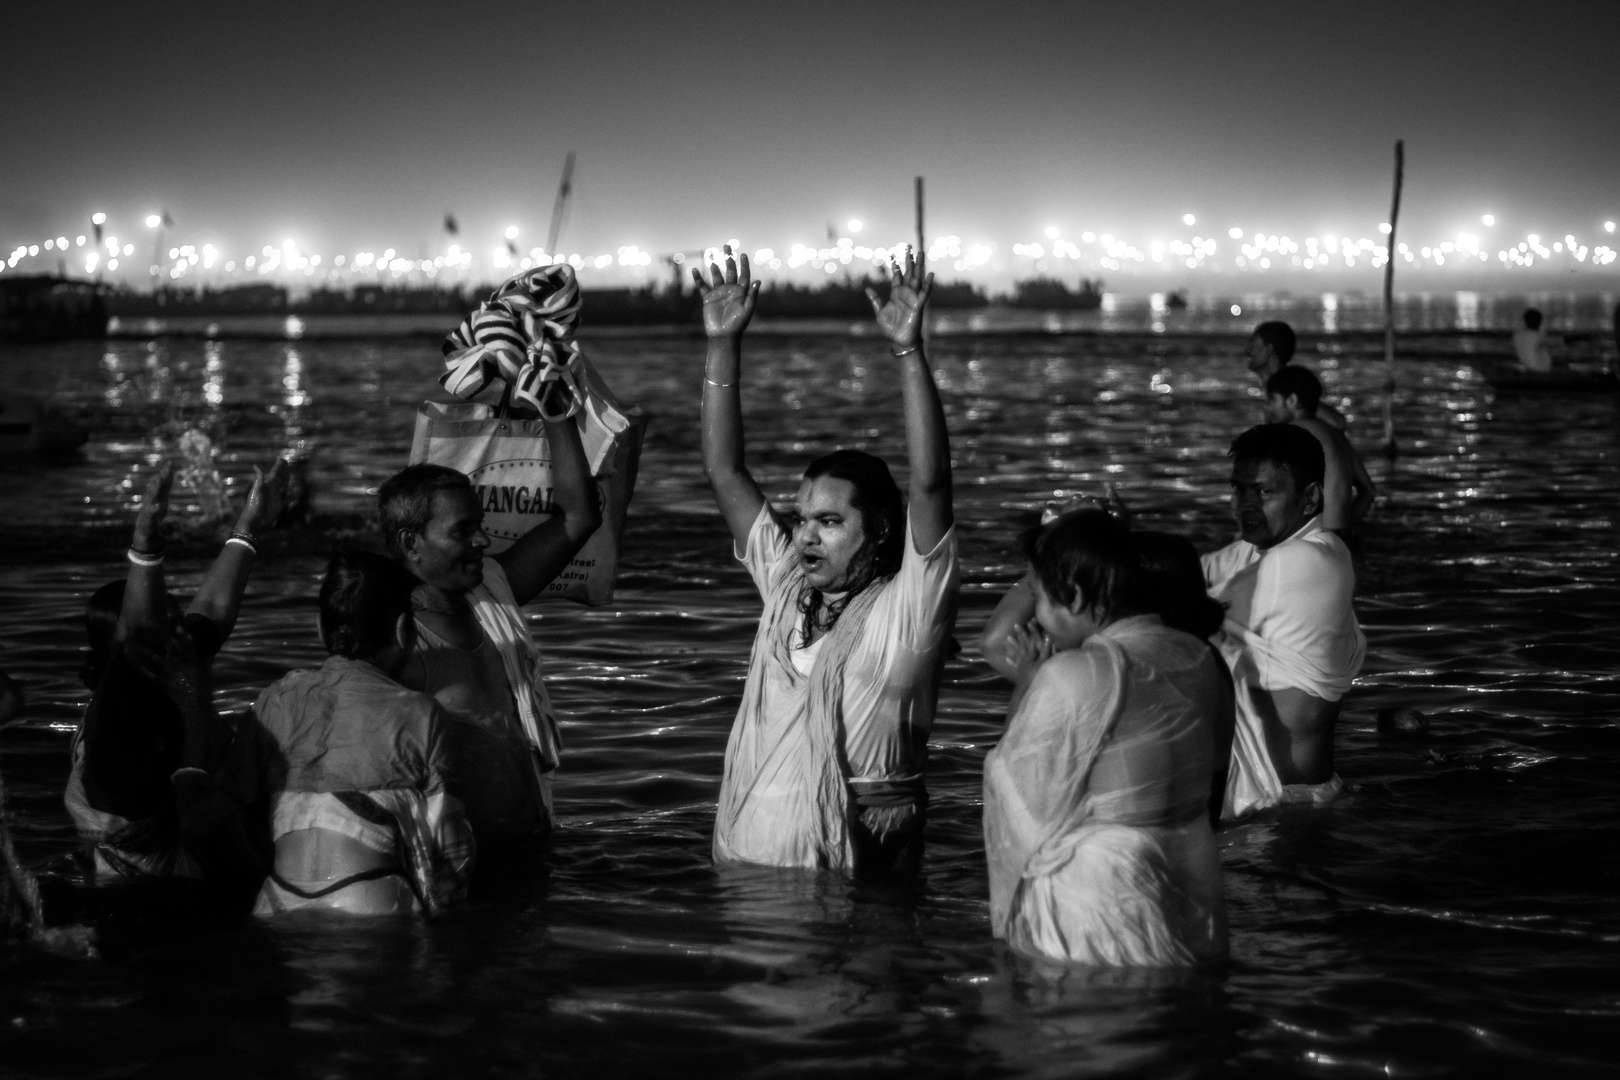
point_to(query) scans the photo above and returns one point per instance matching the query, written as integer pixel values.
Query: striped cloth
(523, 335)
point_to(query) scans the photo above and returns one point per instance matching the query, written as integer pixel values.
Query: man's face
(449, 552)
(1278, 409)
(1262, 358)
(829, 532)
(1268, 505)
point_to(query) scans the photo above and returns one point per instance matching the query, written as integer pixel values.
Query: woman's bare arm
(219, 598)
(728, 305)
(901, 319)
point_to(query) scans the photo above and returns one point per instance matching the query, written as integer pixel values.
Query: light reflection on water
(1455, 910)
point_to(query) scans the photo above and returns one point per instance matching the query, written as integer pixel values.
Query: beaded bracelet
(145, 558)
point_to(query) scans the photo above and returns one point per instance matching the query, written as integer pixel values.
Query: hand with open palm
(901, 317)
(154, 508)
(728, 302)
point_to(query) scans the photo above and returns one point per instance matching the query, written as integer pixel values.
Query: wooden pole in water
(921, 249)
(922, 257)
(560, 206)
(1389, 305)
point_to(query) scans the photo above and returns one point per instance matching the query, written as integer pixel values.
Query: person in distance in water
(1096, 823)
(824, 766)
(1293, 396)
(1290, 638)
(1271, 348)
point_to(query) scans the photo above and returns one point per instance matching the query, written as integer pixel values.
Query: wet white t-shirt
(889, 685)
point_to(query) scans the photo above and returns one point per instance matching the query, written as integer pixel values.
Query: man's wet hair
(1302, 383)
(1532, 318)
(883, 510)
(405, 500)
(1280, 336)
(1286, 446)
(1090, 553)
(362, 598)
(1172, 584)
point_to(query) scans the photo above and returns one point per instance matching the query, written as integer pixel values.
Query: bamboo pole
(560, 206)
(921, 248)
(922, 269)
(1389, 305)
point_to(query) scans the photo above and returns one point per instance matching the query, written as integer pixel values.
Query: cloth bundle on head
(524, 335)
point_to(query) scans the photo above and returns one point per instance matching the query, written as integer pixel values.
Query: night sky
(352, 124)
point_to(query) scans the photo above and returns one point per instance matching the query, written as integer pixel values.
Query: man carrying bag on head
(494, 511)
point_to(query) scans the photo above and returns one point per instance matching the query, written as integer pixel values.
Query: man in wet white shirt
(1290, 637)
(824, 766)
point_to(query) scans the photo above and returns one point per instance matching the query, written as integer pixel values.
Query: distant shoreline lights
(1241, 252)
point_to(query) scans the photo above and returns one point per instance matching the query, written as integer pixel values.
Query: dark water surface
(1454, 914)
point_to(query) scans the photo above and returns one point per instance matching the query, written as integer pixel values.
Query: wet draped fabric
(424, 834)
(1289, 624)
(861, 715)
(1095, 804)
(348, 750)
(501, 617)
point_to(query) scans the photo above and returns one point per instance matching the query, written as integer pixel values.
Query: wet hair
(1286, 446)
(1299, 382)
(100, 625)
(101, 616)
(1532, 318)
(1090, 553)
(883, 520)
(362, 597)
(1280, 336)
(1171, 585)
(405, 500)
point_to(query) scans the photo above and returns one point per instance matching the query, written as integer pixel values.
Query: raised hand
(728, 303)
(154, 508)
(901, 317)
(266, 498)
(1110, 504)
(1026, 648)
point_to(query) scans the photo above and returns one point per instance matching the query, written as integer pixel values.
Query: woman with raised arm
(824, 767)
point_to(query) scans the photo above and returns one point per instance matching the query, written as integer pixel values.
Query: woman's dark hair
(883, 519)
(1089, 552)
(1172, 584)
(362, 598)
(100, 625)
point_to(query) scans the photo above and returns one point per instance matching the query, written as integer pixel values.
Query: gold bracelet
(722, 385)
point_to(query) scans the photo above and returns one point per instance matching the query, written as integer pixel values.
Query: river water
(1455, 913)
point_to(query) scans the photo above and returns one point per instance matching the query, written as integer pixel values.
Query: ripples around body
(1454, 912)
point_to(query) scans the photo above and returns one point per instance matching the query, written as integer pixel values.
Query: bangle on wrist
(907, 351)
(243, 538)
(188, 772)
(145, 558)
(722, 385)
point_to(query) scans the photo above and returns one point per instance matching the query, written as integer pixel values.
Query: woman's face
(829, 532)
(1066, 625)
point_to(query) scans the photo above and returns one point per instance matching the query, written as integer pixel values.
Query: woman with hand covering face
(824, 767)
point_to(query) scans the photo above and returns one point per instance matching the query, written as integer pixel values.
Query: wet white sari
(1095, 804)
